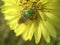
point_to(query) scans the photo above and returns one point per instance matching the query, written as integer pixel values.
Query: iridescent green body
(28, 12)
(26, 15)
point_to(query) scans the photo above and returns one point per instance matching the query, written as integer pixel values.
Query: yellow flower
(41, 21)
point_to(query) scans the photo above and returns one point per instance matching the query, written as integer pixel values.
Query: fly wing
(22, 20)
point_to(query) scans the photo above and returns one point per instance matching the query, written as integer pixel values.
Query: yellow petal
(52, 16)
(50, 29)
(45, 34)
(20, 29)
(37, 34)
(28, 32)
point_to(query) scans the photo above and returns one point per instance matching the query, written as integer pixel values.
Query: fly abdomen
(22, 20)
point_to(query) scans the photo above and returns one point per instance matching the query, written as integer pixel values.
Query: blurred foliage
(7, 37)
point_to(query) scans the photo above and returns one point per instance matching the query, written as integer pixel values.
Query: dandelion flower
(30, 18)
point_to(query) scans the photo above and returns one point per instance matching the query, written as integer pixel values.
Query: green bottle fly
(26, 15)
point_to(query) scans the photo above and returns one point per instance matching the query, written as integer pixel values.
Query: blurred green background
(7, 37)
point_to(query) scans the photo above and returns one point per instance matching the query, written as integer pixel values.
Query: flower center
(30, 11)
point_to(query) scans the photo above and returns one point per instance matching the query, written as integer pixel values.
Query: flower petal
(54, 19)
(45, 33)
(28, 32)
(20, 29)
(50, 28)
(37, 34)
